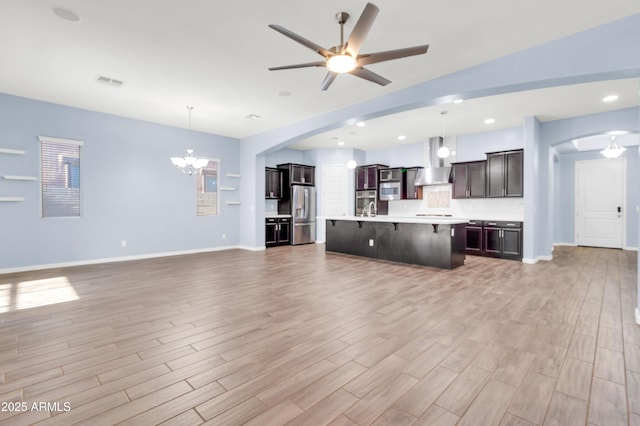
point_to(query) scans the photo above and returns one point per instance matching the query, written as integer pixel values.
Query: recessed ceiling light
(489, 121)
(610, 98)
(253, 116)
(361, 124)
(458, 101)
(66, 14)
(401, 137)
(340, 143)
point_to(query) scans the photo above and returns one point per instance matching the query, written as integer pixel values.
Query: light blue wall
(475, 147)
(407, 155)
(129, 188)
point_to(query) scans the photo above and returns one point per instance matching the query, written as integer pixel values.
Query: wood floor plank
(575, 378)
(608, 404)
(565, 410)
(490, 405)
(610, 365)
(437, 416)
(461, 393)
(326, 410)
(532, 399)
(426, 391)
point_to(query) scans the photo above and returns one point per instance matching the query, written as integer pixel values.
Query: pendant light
(613, 150)
(443, 151)
(189, 164)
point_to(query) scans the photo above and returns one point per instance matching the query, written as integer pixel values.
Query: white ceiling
(214, 56)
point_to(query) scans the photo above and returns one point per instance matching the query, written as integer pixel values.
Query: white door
(335, 195)
(600, 202)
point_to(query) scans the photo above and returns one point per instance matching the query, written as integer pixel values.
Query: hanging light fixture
(189, 164)
(443, 151)
(613, 150)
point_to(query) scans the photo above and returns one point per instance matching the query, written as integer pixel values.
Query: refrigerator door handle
(306, 204)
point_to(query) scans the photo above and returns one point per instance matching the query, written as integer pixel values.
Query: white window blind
(208, 189)
(60, 177)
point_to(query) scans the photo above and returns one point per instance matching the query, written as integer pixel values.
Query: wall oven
(390, 191)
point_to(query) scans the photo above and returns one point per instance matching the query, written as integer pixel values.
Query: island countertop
(435, 220)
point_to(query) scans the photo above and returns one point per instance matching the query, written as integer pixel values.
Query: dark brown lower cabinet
(495, 239)
(277, 231)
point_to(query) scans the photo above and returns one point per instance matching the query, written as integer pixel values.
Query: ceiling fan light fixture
(341, 63)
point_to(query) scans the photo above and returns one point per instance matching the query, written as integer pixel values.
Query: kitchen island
(428, 241)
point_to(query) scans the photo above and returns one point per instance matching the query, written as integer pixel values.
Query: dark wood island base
(438, 243)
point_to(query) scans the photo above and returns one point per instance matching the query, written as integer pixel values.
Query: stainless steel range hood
(434, 172)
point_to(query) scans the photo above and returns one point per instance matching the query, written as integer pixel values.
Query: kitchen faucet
(371, 206)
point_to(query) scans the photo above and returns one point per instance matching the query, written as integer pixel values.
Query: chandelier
(613, 150)
(189, 164)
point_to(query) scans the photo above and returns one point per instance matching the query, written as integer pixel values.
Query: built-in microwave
(390, 191)
(390, 175)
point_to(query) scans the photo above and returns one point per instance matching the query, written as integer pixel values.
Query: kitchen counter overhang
(428, 241)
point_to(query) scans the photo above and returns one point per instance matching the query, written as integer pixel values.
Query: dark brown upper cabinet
(468, 179)
(505, 174)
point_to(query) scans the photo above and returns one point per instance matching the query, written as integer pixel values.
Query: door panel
(600, 189)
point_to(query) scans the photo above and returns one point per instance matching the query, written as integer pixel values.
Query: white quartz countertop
(268, 215)
(408, 219)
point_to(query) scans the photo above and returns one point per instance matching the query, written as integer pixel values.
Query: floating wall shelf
(233, 203)
(235, 175)
(11, 199)
(226, 188)
(14, 177)
(12, 151)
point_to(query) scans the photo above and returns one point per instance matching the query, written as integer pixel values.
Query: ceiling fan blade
(361, 29)
(328, 79)
(308, 64)
(374, 58)
(370, 75)
(303, 41)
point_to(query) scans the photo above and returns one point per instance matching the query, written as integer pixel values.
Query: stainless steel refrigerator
(303, 214)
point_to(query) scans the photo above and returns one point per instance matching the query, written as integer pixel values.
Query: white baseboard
(537, 259)
(122, 259)
(630, 248)
(638, 316)
(565, 244)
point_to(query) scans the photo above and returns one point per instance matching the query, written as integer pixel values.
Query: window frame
(199, 178)
(76, 143)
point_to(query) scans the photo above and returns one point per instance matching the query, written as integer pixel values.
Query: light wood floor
(292, 335)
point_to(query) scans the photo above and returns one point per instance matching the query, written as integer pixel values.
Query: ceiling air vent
(110, 81)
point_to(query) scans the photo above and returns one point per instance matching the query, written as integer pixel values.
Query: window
(60, 177)
(208, 189)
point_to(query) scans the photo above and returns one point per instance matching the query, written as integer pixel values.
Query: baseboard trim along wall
(122, 259)
(537, 259)
(638, 316)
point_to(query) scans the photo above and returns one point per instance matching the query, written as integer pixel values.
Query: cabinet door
(411, 191)
(491, 237)
(361, 178)
(474, 239)
(372, 177)
(513, 174)
(273, 183)
(511, 242)
(459, 174)
(476, 177)
(284, 231)
(297, 174)
(495, 175)
(270, 233)
(308, 175)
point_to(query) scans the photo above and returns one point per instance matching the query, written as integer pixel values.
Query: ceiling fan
(345, 58)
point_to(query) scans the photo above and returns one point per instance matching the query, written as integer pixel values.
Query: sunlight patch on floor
(31, 294)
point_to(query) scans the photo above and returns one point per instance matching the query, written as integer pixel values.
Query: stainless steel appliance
(303, 214)
(363, 200)
(390, 191)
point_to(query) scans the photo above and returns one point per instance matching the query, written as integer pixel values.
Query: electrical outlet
(123, 243)
(371, 243)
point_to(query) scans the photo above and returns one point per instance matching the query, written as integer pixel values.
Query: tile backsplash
(437, 200)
